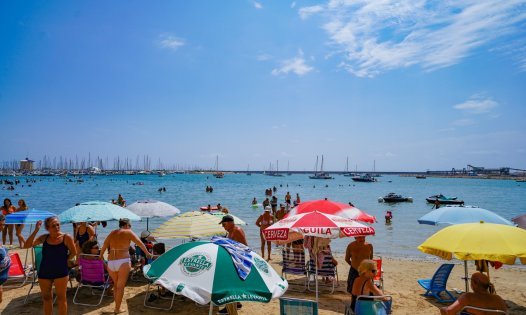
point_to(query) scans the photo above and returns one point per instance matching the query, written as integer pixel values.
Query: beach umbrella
(316, 224)
(220, 271)
(461, 214)
(193, 224)
(334, 208)
(478, 241)
(96, 211)
(152, 208)
(520, 221)
(237, 221)
(30, 216)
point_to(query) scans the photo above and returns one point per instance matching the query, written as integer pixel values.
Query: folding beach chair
(294, 264)
(379, 276)
(18, 275)
(466, 309)
(437, 284)
(148, 301)
(373, 305)
(289, 306)
(92, 275)
(37, 252)
(328, 271)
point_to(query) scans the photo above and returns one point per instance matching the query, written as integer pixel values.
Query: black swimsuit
(54, 262)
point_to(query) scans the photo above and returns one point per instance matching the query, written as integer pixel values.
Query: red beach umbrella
(315, 224)
(334, 208)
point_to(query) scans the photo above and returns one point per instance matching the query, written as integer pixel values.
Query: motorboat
(421, 176)
(443, 200)
(364, 178)
(392, 197)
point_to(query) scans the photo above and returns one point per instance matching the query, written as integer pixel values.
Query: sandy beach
(400, 277)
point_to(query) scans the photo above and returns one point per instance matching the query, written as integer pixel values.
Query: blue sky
(412, 85)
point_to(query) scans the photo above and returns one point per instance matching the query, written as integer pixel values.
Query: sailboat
(288, 169)
(321, 174)
(217, 173)
(248, 170)
(276, 173)
(347, 173)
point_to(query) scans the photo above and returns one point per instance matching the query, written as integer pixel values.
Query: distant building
(26, 165)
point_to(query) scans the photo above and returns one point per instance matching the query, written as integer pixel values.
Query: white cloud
(293, 5)
(374, 36)
(463, 122)
(477, 105)
(305, 12)
(170, 42)
(258, 5)
(295, 65)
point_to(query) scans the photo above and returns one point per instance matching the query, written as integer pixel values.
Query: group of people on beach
(7, 230)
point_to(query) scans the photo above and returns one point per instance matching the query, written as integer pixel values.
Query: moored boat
(364, 178)
(392, 197)
(444, 200)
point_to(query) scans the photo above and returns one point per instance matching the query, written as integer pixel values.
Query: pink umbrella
(334, 208)
(315, 224)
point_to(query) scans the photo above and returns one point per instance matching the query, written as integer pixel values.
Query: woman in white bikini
(118, 243)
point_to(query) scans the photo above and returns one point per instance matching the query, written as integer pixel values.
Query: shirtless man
(234, 232)
(480, 297)
(118, 243)
(356, 252)
(264, 221)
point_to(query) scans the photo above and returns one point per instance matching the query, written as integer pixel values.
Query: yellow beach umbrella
(190, 224)
(478, 241)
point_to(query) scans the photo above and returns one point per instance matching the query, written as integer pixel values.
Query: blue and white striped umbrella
(96, 211)
(30, 216)
(462, 214)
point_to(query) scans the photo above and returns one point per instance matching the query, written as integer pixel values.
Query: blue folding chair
(437, 284)
(289, 306)
(373, 305)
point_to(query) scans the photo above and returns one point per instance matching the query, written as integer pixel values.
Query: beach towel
(5, 260)
(240, 254)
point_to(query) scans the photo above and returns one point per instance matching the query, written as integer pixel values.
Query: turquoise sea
(235, 191)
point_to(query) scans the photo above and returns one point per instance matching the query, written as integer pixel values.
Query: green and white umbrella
(205, 272)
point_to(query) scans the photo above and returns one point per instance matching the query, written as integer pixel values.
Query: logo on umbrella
(195, 264)
(261, 265)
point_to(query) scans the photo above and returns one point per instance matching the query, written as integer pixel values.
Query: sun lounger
(328, 271)
(18, 275)
(289, 306)
(379, 276)
(437, 284)
(294, 264)
(92, 275)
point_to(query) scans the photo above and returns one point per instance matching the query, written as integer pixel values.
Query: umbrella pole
(147, 223)
(316, 278)
(27, 250)
(211, 308)
(466, 274)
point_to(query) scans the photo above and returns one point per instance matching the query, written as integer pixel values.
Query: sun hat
(145, 234)
(267, 208)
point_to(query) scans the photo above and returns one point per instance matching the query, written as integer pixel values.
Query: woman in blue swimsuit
(57, 249)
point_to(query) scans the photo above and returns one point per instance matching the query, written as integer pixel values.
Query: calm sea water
(235, 191)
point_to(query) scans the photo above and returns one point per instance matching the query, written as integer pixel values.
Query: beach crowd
(62, 253)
